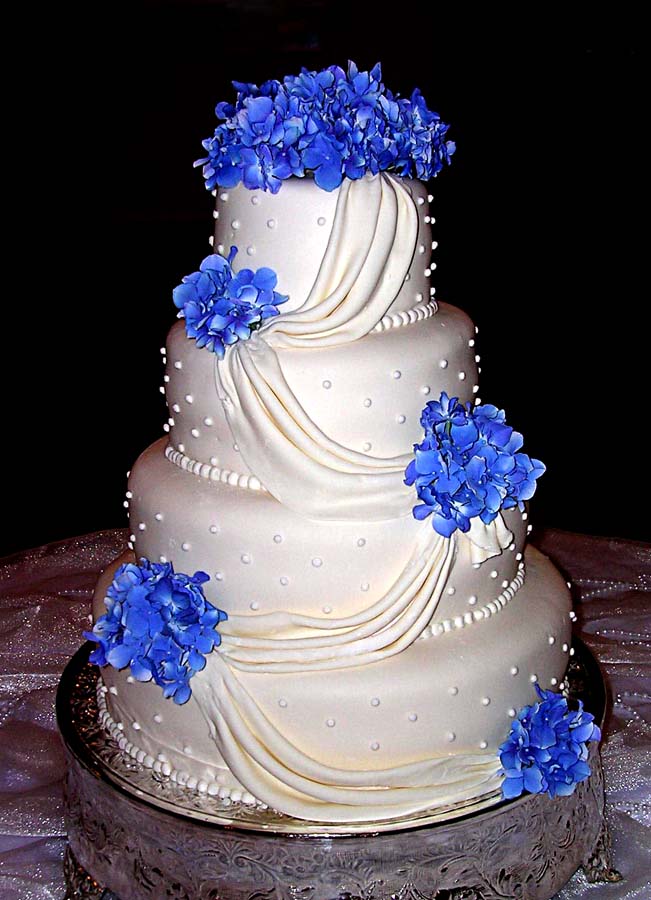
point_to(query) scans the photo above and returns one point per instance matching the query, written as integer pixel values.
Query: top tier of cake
(290, 232)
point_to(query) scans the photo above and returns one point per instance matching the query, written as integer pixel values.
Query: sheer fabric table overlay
(45, 597)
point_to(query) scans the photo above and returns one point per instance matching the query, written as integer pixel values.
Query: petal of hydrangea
(119, 656)
(139, 671)
(512, 787)
(182, 694)
(533, 780)
(265, 279)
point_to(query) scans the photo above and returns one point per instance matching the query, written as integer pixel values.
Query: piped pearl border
(226, 795)
(406, 317)
(213, 473)
(477, 615)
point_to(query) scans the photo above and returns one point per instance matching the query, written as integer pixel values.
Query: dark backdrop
(536, 221)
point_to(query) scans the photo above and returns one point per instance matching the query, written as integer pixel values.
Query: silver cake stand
(134, 835)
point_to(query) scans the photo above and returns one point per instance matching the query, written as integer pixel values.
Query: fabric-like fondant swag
(373, 240)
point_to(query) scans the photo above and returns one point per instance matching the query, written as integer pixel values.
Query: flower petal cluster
(468, 464)
(330, 125)
(158, 623)
(547, 748)
(221, 307)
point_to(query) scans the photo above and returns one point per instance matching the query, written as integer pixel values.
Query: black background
(538, 223)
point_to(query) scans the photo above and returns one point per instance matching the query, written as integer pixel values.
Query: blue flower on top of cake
(468, 465)
(222, 307)
(159, 623)
(547, 748)
(330, 125)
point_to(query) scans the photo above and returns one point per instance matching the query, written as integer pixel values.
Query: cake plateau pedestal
(134, 835)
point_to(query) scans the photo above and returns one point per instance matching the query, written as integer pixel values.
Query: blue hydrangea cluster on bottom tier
(221, 306)
(468, 465)
(329, 125)
(547, 748)
(158, 623)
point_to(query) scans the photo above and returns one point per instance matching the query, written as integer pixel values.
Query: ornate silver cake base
(126, 843)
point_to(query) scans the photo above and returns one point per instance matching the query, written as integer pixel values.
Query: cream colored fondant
(284, 480)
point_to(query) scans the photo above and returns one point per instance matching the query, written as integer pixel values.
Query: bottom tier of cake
(417, 730)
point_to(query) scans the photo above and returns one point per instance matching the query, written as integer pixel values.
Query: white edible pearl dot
(401, 420)
(236, 448)
(554, 682)
(255, 199)
(408, 276)
(443, 364)
(235, 224)
(367, 446)
(396, 374)
(284, 580)
(427, 273)
(475, 388)
(375, 746)
(246, 559)
(494, 573)
(278, 538)
(219, 576)
(365, 586)
(208, 421)
(131, 680)
(483, 745)
(472, 600)
(185, 546)
(213, 461)
(271, 223)
(189, 398)
(462, 376)
(327, 610)
(220, 249)
(159, 517)
(317, 562)
(162, 559)
(224, 196)
(321, 221)
(142, 526)
(505, 584)
(514, 670)
(282, 703)
(166, 429)
(413, 717)
(136, 726)
(511, 713)
(430, 197)
(327, 384)
(565, 648)
(368, 402)
(361, 542)
(427, 220)
(421, 248)
(166, 378)
(178, 364)
(453, 691)
(518, 556)
(485, 701)
(551, 639)
(533, 678)
(195, 432)
(421, 201)
(330, 723)
(255, 605)
(158, 718)
(176, 408)
(250, 250)
(452, 590)
(375, 701)
(451, 736)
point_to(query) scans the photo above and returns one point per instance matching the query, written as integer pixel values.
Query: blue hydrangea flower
(547, 748)
(221, 307)
(329, 125)
(468, 464)
(158, 623)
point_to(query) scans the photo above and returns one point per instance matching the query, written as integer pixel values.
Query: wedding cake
(328, 607)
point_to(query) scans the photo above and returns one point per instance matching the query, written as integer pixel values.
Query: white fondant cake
(369, 667)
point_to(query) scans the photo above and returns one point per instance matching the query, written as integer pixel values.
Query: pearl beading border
(183, 779)
(213, 473)
(477, 615)
(406, 317)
